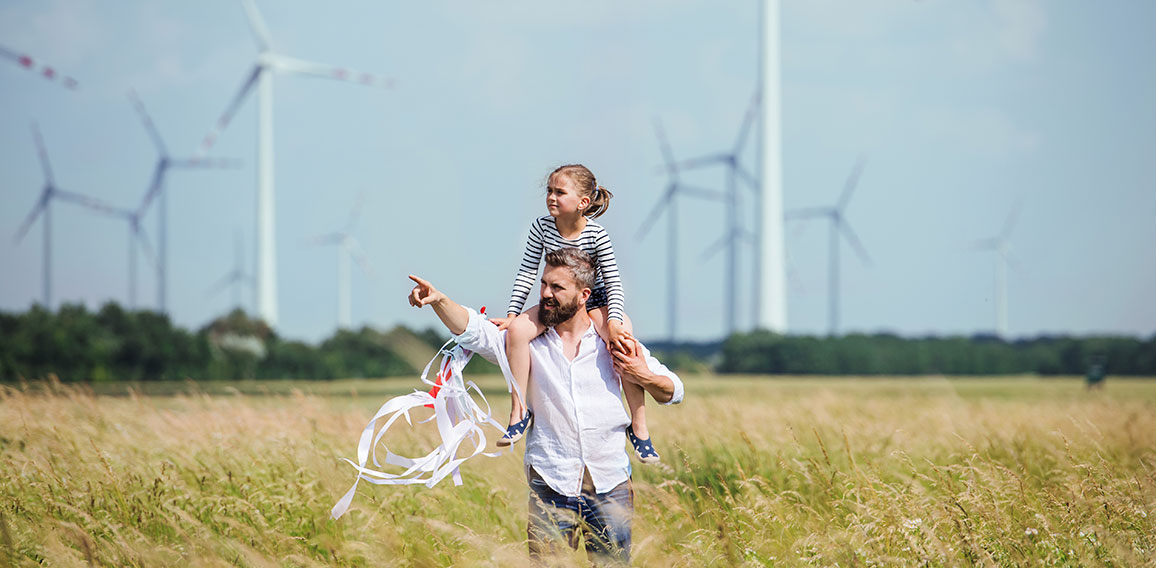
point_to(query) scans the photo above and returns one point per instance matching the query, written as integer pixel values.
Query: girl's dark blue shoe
(644, 449)
(516, 431)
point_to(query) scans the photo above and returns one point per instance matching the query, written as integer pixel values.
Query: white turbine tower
(667, 204)
(734, 231)
(156, 191)
(770, 303)
(261, 75)
(44, 205)
(349, 250)
(838, 226)
(1001, 245)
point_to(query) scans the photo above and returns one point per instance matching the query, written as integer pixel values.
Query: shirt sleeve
(483, 338)
(608, 266)
(658, 368)
(528, 271)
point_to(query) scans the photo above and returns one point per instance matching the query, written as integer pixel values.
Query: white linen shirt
(579, 420)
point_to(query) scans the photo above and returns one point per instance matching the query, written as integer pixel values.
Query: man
(576, 461)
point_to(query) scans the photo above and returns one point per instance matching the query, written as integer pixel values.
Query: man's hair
(579, 263)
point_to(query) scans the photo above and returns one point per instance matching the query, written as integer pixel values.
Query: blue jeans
(603, 519)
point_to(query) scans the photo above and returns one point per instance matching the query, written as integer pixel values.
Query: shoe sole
(504, 441)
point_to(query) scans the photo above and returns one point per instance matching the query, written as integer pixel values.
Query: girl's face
(564, 197)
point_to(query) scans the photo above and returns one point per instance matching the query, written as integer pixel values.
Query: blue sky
(963, 109)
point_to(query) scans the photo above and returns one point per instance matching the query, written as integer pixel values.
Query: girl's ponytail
(599, 201)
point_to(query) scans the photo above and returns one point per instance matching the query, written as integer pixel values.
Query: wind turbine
(261, 75)
(136, 235)
(838, 226)
(156, 191)
(350, 249)
(236, 277)
(1002, 247)
(45, 71)
(44, 205)
(735, 172)
(667, 203)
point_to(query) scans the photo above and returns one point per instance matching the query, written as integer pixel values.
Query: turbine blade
(223, 121)
(45, 71)
(257, 24)
(1010, 222)
(221, 284)
(746, 177)
(664, 147)
(655, 213)
(43, 154)
(852, 181)
(705, 161)
(985, 244)
(92, 203)
(302, 67)
(217, 164)
(716, 246)
(41, 203)
(355, 213)
(856, 244)
(360, 258)
(154, 188)
(809, 213)
(700, 192)
(748, 121)
(148, 123)
(326, 239)
(145, 244)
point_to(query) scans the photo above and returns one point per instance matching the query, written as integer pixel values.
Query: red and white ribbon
(459, 418)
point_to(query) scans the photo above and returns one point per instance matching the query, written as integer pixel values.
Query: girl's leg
(635, 394)
(521, 332)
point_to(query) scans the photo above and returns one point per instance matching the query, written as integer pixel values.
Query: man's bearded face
(552, 312)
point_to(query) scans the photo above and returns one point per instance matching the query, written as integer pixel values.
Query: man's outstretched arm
(454, 316)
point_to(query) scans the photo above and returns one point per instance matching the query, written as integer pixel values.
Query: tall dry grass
(756, 472)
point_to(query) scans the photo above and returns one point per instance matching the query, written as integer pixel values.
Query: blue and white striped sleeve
(528, 271)
(604, 255)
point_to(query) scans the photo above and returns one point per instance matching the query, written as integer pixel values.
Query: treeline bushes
(115, 344)
(886, 354)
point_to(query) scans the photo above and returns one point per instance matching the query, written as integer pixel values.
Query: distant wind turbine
(1001, 245)
(44, 205)
(349, 249)
(838, 226)
(667, 204)
(27, 62)
(236, 278)
(734, 235)
(136, 237)
(156, 191)
(261, 75)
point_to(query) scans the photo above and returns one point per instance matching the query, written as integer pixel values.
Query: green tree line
(887, 354)
(115, 344)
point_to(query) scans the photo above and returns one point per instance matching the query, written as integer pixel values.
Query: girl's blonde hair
(588, 187)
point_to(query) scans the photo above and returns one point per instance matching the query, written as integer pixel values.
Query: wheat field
(756, 472)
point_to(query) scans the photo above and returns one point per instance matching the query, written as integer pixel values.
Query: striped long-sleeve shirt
(594, 240)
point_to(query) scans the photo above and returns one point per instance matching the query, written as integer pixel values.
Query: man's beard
(557, 313)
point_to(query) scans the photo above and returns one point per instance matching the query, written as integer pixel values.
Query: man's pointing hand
(424, 293)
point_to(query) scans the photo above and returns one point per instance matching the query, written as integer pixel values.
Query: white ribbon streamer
(459, 420)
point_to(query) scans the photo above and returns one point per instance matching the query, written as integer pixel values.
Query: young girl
(573, 199)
